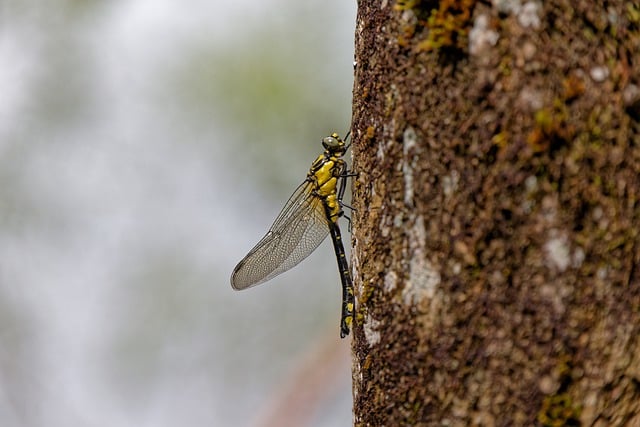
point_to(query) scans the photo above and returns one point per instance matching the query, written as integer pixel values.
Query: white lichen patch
(408, 185)
(371, 332)
(578, 257)
(398, 219)
(555, 295)
(381, 150)
(390, 281)
(450, 183)
(457, 268)
(481, 36)
(597, 213)
(529, 15)
(599, 73)
(418, 235)
(409, 142)
(630, 94)
(531, 184)
(530, 98)
(422, 283)
(424, 278)
(602, 273)
(385, 225)
(530, 187)
(558, 252)
(507, 6)
(409, 16)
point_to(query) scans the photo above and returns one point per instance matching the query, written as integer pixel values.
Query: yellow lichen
(448, 25)
(551, 128)
(558, 410)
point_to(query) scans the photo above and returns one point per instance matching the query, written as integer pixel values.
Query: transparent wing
(297, 231)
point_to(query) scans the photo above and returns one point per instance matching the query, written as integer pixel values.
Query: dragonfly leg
(343, 183)
(341, 214)
(344, 205)
(348, 222)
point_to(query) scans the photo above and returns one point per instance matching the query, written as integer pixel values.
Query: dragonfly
(310, 214)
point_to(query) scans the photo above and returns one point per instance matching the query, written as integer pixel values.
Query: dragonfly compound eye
(333, 143)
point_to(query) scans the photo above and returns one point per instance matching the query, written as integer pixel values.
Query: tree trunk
(495, 245)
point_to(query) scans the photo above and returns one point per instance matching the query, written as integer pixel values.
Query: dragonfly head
(334, 144)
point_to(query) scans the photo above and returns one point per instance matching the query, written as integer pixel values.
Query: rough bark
(495, 238)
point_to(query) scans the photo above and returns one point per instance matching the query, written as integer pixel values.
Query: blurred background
(145, 147)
